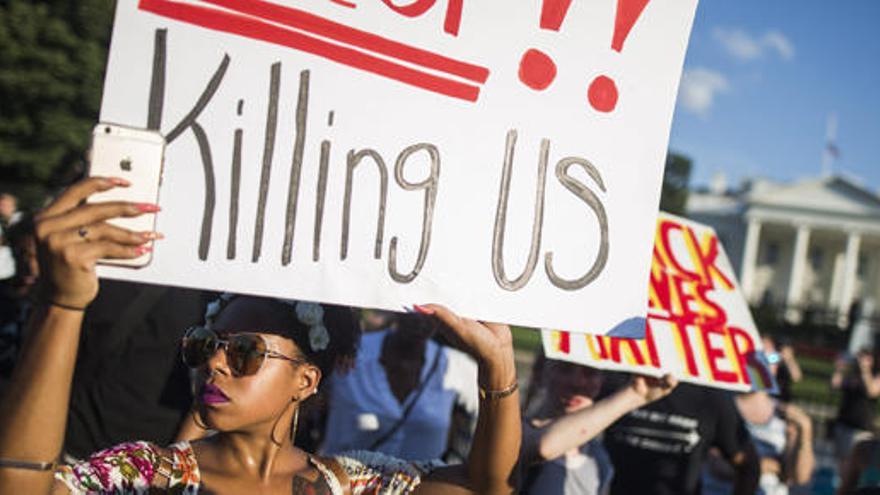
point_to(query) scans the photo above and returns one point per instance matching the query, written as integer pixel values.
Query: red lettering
(415, 9)
(651, 345)
(707, 256)
(686, 348)
(658, 290)
(666, 227)
(603, 347)
(716, 314)
(713, 354)
(617, 342)
(563, 344)
(744, 347)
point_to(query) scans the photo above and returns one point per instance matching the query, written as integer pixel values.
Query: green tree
(52, 59)
(676, 177)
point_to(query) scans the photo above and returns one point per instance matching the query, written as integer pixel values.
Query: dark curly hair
(341, 323)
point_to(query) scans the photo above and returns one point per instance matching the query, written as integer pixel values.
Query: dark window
(771, 253)
(817, 255)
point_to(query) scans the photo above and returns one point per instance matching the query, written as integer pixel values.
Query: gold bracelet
(29, 465)
(50, 302)
(498, 394)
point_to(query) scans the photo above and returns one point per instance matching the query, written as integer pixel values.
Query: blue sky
(761, 79)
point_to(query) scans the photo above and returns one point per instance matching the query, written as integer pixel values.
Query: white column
(798, 264)
(851, 266)
(749, 257)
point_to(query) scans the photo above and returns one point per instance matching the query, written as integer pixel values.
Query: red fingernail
(117, 181)
(152, 236)
(423, 310)
(147, 207)
(142, 250)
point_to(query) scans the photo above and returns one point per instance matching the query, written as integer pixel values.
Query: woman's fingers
(90, 214)
(91, 252)
(443, 313)
(75, 194)
(100, 232)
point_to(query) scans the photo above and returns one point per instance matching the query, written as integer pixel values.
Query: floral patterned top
(136, 467)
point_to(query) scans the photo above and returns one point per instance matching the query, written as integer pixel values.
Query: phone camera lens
(107, 130)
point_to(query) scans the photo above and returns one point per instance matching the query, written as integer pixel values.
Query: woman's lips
(212, 394)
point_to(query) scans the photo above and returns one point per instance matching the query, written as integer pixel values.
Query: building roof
(836, 195)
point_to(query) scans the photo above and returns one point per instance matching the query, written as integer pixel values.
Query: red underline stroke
(218, 20)
(335, 31)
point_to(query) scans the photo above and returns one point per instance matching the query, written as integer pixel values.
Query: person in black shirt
(130, 381)
(784, 366)
(660, 448)
(858, 380)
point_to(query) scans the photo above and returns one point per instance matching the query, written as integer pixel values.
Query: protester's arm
(852, 467)
(799, 459)
(872, 383)
(490, 468)
(790, 362)
(32, 425)
(733, 440)
(577, 428)
(840, 366)
(747, 471)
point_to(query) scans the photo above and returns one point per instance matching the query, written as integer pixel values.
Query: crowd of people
(116, 387)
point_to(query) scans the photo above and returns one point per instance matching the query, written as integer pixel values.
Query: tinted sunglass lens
(245, 354)
(198, 346)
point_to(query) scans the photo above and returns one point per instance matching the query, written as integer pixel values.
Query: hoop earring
(196, 420)
(295, 426)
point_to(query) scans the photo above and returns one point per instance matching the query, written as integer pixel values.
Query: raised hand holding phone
(137, 156)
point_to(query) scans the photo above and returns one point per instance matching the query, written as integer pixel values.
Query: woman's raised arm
(492, 461)
(72, 236)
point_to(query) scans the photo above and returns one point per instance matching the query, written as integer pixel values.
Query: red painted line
(320, 26)
(255, 29)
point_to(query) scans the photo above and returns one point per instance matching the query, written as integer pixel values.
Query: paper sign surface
(503, 158)
(699, 327)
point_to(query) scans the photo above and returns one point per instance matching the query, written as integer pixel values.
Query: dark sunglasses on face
(245, 352)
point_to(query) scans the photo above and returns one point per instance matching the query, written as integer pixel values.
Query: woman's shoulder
(374, 472)
(133, 467)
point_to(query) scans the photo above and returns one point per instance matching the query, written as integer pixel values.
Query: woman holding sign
(257, 362)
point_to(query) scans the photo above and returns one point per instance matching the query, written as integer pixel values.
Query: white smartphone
(136, 155)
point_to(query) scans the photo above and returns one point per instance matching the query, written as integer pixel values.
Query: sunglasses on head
(245, 352)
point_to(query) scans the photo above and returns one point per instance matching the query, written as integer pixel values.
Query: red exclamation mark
(536, 69)
(603, 91)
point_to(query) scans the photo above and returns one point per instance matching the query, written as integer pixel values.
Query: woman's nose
(217, 363)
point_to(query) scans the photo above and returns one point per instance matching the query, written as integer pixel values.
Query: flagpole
(829, 152)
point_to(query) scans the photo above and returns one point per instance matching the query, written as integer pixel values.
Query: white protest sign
(503, 158)
(699, 325)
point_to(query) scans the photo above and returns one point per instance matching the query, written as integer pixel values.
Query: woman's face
(234, 403)
(572, 386)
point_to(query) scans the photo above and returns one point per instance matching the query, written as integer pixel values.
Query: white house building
(809, 245)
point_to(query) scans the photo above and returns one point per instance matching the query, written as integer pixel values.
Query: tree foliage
(52, 59)
(676, 177)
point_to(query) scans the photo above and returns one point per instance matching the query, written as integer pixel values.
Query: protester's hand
(786, 353)
(796, 416)
(866, 362)
(73, 235)
(650, 388)
(491, 344)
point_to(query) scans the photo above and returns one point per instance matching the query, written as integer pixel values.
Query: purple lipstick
(212, 394)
